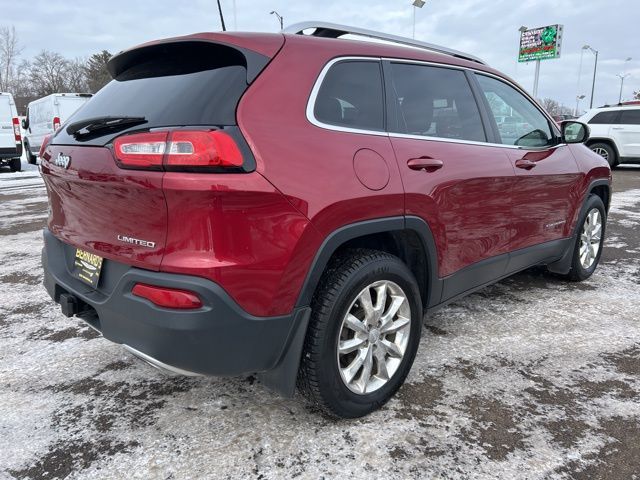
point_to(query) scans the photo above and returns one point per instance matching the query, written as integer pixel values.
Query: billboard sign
(541, 43)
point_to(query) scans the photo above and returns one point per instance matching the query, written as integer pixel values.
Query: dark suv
(293, 204)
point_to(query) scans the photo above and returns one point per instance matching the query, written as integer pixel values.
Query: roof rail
(334, 30)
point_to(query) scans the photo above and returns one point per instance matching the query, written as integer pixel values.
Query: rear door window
(604, 118)
(434, 102)
(351, 96)
(630, 117)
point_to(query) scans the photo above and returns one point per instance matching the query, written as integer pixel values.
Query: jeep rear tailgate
(99, 207)
(118, 210)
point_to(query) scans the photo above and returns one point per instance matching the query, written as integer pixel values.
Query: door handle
(617, 128)
(526, 164)
(424, 163)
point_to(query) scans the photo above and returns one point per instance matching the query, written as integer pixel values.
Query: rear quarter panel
(310, 165)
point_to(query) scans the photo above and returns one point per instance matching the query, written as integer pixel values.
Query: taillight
(167, 297)
(45, 144)
(56, 123)
(141, 150)
(179, 149)
(16, 130)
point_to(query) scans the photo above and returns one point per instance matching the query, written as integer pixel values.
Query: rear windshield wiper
(92, 125)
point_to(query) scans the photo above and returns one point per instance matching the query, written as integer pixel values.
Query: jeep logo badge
(62, 160)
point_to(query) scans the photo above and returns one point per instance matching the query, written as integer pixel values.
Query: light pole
(280, 18)
(579, 80)
(416, 4)
(622, 76)
(595, 69)
(578, 98)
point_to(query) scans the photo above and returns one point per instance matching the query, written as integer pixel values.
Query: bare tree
(49, 73)
(10, 50)
(636, 95)
(551, 106)
(22, 85)
(77, 76)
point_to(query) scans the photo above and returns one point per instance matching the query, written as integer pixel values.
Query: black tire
(319, 378)
(15, 164)
(611, 155)
(578, 273)
(31, 158)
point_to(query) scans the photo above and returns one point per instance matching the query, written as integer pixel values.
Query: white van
(10, 139)
(46, 115)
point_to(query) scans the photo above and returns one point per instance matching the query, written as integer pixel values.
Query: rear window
(351, 96)
(178, 85)
(604, 118)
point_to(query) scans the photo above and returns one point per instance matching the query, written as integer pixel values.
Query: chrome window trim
(318, 83)
(311, 103)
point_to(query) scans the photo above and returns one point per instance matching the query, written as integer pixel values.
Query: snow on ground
(529, 378)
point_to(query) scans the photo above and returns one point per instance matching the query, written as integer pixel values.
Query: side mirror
(574, 132)
(25, 124)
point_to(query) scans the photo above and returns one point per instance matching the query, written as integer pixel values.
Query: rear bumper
(218, 339)
(9, 153)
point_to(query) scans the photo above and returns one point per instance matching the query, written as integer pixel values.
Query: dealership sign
(540, 43)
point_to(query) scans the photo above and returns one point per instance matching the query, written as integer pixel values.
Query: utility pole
(224, 28)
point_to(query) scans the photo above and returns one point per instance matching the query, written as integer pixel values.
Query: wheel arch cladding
(408, 238)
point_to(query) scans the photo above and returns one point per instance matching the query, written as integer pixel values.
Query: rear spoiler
(184, 55)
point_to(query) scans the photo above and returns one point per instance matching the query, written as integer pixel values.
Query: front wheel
(363, 333)
(588, 247)
(31, 158)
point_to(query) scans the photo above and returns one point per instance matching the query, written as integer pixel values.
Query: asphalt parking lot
(529, 378)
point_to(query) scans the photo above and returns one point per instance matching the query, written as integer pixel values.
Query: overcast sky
(485, 28)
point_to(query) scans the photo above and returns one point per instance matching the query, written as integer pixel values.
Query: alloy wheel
(373, 337)
(590, 238)
(602, 152)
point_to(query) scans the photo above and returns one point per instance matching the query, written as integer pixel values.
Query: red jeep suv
(293, 204)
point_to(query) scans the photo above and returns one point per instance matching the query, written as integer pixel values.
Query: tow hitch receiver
(70, 305)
